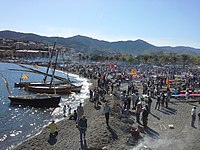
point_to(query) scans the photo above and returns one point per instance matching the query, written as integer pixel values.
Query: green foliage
(151, 59)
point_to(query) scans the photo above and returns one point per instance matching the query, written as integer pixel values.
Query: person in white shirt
(193, 114)
(187, 94)
(80, 112)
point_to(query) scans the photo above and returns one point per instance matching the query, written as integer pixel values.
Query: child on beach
(73, 116)
(69, 109)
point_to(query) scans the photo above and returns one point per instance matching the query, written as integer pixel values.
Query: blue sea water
(18, 123)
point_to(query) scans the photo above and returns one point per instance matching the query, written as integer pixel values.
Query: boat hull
(24, 84)
(48, 90)
(76, 89)
(36, 101)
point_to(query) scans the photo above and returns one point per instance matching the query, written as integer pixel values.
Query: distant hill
(93, 46)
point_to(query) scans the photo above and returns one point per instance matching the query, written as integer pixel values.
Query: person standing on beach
(158, 102)
(91, 95)
(106, 110)
(193, 114)
(64, 110)
(82, 126)
(145, 114)
(133, 99)
(69, 109)
(122, 101)
(80, 111)
(112, 86)
(96, 97)
(187, 94)
(149, 101)
(137, 112)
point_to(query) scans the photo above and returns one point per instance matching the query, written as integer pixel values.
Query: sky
(159, 22)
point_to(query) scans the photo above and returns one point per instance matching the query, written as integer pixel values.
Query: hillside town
(23, 51)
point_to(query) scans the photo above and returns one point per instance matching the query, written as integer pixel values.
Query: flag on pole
(25, 76)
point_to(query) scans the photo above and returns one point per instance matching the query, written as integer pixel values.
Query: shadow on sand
(155, 116)
(114, 135)
(83, 145)
(52, 138)
(152, 133)
(168, 111)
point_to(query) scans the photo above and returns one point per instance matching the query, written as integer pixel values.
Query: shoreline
(61, 129)
(9, 144)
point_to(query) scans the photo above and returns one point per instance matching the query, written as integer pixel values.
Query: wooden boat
(76, 88)
(61, 89)
(37, 100)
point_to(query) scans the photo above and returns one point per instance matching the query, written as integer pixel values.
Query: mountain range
(89, 45)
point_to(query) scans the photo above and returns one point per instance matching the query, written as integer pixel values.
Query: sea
(18, 123)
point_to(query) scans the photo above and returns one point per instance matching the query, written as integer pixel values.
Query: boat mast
(50, 58)
(54, 68)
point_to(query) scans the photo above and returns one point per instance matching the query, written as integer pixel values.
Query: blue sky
(159, 22)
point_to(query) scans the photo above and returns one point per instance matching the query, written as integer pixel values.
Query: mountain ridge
(90, 45)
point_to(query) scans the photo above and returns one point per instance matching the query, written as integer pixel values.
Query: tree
(185, 59)
(145, 57)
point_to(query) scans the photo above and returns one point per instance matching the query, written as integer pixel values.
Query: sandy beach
(117, 137)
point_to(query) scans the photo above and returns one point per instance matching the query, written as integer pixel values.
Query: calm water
(17, 123)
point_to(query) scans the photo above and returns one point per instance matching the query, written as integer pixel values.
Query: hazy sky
(159, 22)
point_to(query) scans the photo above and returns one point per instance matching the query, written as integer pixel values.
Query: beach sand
(117, 137)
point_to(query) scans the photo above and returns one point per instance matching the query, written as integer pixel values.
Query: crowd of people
(155, 85)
